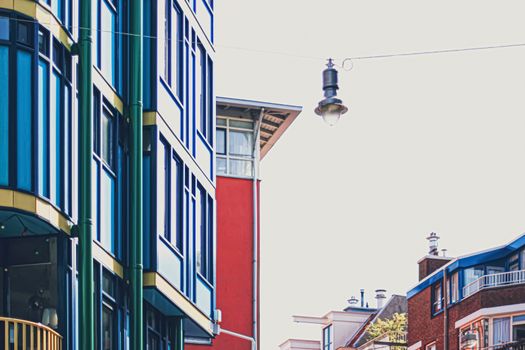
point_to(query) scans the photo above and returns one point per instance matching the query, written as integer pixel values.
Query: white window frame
(227, 157)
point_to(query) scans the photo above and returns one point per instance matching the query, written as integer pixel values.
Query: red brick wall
(429, 265)
(422, 326)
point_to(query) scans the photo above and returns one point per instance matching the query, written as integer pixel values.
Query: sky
(430, 142)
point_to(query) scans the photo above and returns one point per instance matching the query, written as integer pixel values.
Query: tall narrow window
(167, 37)
(327, 338)
(24, 120)
(107, 211)
(203, 241)
(437, 298)
(176, 49)
(4, 110)
(454, 288)
(43, 129)
(107, 45)
(200, 85)
(176, 203)
(55, 140)
(163, 159)
(106, 129)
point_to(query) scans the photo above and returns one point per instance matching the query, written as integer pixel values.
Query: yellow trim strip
(153, 279)
(107, 260)
(42, 14)
(36, 206)
(107, 90)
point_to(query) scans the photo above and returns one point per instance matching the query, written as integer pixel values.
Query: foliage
(395, 327)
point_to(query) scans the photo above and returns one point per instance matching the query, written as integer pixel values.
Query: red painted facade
(234, 262)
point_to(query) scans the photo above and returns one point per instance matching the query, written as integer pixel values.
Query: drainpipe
(256, 152)
(240, 336)
(445, 310)
(136, 234)
(85, 225)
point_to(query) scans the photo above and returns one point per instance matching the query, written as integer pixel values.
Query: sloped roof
(396, 304)
(276, 118)
(469, 261)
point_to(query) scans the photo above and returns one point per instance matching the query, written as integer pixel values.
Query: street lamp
(330, 108)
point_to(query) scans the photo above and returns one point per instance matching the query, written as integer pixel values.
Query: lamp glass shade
(331, 117)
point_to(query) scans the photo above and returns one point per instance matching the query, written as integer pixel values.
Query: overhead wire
(289, 54)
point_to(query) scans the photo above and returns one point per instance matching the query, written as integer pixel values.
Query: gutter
(255, 230)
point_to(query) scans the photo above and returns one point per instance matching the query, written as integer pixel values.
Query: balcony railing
(19, 334)
(494, 280)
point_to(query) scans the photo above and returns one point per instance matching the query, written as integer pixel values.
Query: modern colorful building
(476, 301)
(107, 131)
(245, 132)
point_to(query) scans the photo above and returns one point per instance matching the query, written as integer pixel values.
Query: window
(172, 40)
(431, 346)
(163, 185)
(108, 311)
(169, 195)
(4, 112)
(327, 338)
(203, 236)
(4, 28)
(437, 298)
(472, 274)
(454, 287)
(24, 120)
(501, 330)
(108, 40)
(176, 203)
(235, 147)
(105, 221)
(514, 262)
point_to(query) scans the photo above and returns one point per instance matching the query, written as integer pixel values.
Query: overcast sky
(430, 143)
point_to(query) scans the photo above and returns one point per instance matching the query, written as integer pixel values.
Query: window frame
(101, 167)
(228, 157)
(327, 335)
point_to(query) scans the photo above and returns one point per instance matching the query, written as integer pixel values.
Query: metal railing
(18, 334)
(494, 280)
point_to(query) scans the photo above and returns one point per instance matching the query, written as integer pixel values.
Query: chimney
(380, 297)
(433, 239)
(353, 301)
(432, 261)
(362, 297)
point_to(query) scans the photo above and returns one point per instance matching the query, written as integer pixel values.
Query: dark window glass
(4, 28)
(108, 284)
(57, 55)
(43, 42)
(107, 328)
(23, 33)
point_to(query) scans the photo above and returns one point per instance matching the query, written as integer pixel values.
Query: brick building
(478, 298)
